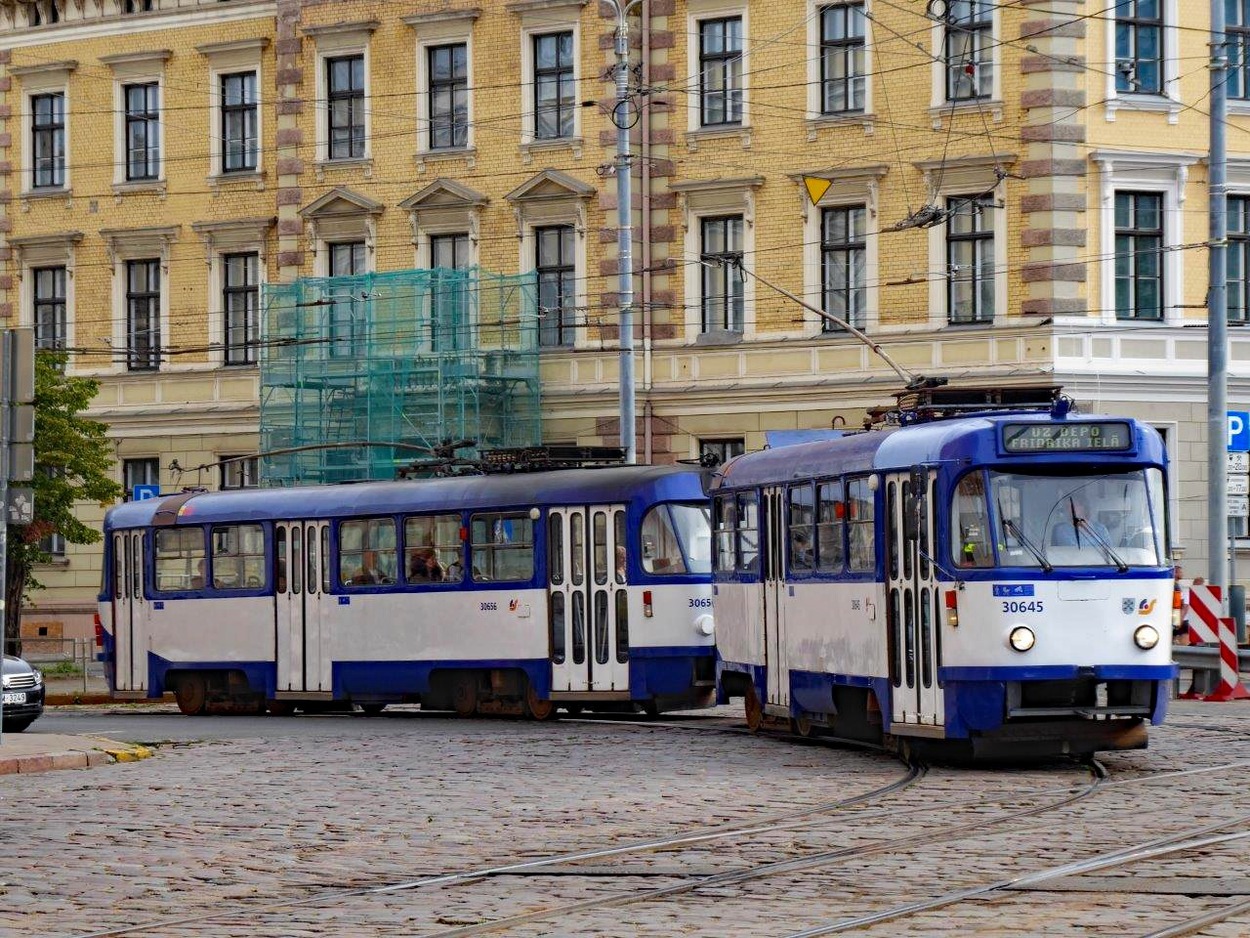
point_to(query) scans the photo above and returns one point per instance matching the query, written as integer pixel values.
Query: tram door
(914, 600)
(772, 576)
(130, 612)
(301, 592)
(588, 603)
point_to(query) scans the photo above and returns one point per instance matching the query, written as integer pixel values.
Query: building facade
(1016, 192)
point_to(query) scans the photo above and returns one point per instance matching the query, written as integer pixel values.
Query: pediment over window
(444, 194)
(338, 202)
(550, 185)
(45, 249)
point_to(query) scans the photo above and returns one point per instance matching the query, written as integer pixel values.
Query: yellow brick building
(160, 159)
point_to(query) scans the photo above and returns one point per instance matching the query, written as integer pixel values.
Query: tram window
(325, 561)
(861, 519)
(180, 559)
(802, 527)
(502, 547)
(618, 538)
(599, 543)
(666, 529)
(908, 507)
(238, 556)
(748, 532)
(279, 550)
(622, 626)
(579, 628)
(725, 513)
(970, 526)
(891, 512)
(310, 548)
(555, 551)
(557, 628)
(601, 626)
(577, 547)
(432, 549)
(297, 550)
(119, 568)
(367, 554)
(830, 528)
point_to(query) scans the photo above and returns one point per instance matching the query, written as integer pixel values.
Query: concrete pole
(6, 397)
(1217, 311)
(625, 230)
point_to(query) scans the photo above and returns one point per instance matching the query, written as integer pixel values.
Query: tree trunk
(14, 589)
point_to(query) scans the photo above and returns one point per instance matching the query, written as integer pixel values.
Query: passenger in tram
(620, 563)
(369, 572)
(197, 581)
(1079, 520)
(425, 568)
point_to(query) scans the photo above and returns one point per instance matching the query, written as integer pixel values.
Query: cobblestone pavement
(299, 836)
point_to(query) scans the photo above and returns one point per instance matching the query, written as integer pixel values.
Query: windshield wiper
(1120, 565)
(1014, 529)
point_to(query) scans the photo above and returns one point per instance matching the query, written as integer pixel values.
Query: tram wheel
(464, 695)
(536, 708)
(801, 726)
(754, 710)
(191, 694)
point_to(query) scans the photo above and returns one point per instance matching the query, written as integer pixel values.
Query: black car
(23, 695)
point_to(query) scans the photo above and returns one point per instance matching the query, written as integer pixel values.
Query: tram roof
(520, 490)
(963, 438)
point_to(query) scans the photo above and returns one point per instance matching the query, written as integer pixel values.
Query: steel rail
(1196, 924)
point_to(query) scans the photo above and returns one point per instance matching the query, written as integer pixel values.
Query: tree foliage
(73, 463)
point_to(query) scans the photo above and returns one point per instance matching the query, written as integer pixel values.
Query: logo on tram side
(1013, 589)
(1130, 604)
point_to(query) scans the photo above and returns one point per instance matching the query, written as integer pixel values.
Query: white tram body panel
(836, 627)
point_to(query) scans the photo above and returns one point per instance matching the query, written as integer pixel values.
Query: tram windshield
(677, 538)
(1034, 519)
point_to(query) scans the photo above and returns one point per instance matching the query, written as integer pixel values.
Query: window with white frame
(843, 81)
(449, 299)
(346, 311)
(721, 449)
(967, 49)
(143, 315)
(843, 262)
(450, 250)
(1239, 258)
(142, 103)
(345, 105)
(720, 71)
(49, 307)
(447, 71)
(1139, 46)
(555, 263)
(240, 472)
(47, 140)
(240, 122)
(555, 89)
(722, 298)
(970, 260)
(240, 304)
(144, 471)
(1139, 275)
(1237, 48)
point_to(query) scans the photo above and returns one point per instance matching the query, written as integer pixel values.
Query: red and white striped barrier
(1206, 625)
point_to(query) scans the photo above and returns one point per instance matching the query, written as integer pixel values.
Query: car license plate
(15, 698)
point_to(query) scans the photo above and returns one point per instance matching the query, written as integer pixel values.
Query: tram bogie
(989, 584)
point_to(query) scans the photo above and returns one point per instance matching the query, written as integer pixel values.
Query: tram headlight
(1146, 637)
(1022, 638)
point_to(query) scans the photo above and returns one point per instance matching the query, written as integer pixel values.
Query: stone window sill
(251, 177)
(718, 132)
(1157, 103)
(364, 165)
(140, 187)
(59, 192)
(530, 147)
(844, 119)
(971, 106)
(468, 154)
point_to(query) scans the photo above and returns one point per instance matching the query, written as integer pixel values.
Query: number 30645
(704, 603)
(1031, 605)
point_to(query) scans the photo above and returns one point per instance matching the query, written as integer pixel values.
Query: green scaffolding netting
(414, 357)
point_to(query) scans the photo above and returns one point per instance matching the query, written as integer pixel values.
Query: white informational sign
(1237, 462)
(1238, 506)
(1238, 483)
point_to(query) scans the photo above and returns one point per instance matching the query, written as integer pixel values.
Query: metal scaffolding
(351, 366)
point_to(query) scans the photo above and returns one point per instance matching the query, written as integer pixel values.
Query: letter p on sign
(1238, 431)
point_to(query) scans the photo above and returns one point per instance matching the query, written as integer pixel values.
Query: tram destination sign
(1085, 437)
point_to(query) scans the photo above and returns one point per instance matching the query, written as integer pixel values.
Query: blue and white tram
(505, 593)
(990, 585)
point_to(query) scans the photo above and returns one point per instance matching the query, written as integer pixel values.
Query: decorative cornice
(574, 188)
(65, 65)
(717, 185)
(840, 173)
(209, 229)
(339, 29)
(238, 45)
(442, 16)
(46, 240)
(987, 161)
(533, 6)
(137, 58)
(360, 205)
(461, 196)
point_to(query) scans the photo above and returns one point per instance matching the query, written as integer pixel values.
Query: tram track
(767, 823)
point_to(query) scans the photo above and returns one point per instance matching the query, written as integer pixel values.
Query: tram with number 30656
(967, 579)
(517, 593)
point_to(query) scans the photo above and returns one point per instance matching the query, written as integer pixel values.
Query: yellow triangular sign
(816, 187)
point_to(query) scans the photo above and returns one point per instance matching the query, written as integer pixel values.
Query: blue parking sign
(142, 492)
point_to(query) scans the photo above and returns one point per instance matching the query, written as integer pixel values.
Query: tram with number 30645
(969, 580)
(511, 593)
